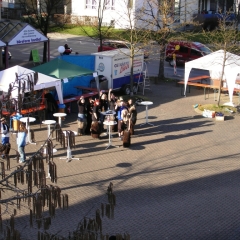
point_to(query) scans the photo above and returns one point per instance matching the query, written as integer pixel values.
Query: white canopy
(8, 76)
(214, 63)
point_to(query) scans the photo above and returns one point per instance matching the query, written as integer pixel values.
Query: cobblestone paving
(178, 180)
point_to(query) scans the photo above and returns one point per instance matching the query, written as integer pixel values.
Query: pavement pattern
(178, 180)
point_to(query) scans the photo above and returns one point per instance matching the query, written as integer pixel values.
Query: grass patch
(221, 108)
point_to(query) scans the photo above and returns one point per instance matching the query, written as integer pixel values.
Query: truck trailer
(115, 66)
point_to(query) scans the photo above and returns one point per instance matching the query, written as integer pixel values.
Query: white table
(60, 115)
(146, 103)
(45, 152)
(69, 151)
(109, 124)
(48, 123)
(108, 113)
(27, 120)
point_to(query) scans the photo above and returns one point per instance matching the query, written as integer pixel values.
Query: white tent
(214, 63)
(8, 76)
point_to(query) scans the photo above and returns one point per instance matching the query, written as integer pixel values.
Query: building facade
(126, 13)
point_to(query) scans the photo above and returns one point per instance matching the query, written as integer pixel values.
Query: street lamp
(61, 50)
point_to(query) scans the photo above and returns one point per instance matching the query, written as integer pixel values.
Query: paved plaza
(178, 180)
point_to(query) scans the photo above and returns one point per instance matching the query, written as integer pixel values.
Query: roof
(19, 33)
(61, 69)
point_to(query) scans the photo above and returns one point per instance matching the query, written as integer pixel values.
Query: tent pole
(48, 44)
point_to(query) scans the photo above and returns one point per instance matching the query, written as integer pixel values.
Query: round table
(60, 116)
(146, 103)
(108, 113)
(69, 151)
(48, 123)
(110, 123)
(27, 120)
(45, 152)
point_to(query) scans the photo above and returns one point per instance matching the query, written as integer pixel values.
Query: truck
(115, 66)
(185, 51)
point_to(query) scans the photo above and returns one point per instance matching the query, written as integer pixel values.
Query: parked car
(185, 51)
(115, 44)
(3, 55)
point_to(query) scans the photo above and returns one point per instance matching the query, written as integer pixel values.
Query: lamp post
(61, 50)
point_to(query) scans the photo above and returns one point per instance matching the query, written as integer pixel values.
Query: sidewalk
(178, 180)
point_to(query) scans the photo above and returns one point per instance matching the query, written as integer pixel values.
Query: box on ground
(219, 118)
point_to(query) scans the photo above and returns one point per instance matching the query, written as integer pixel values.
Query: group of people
(90, 120)
(21, 140)
(92, 114)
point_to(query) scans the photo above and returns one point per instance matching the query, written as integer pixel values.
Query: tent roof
(8, 76)
(19, 33)
(61, 69)
(214, 61)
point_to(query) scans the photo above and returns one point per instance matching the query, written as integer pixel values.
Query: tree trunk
(131, 68)
(45, 52)
(161, 63)
(221, 78)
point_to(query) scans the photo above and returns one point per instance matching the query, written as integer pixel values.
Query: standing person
(104, 108)
(81, 121)
(112, 101)
(21, 142)
(119, 107)
(5, 135)
(174, 64)
(50, 104)
(95, 120)
(133, 114)
(125, 128)
(89, 107)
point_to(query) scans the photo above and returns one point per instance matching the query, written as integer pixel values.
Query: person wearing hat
(4, 132)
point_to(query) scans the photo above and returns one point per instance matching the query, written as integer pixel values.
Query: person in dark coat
(132, 114)
(89, 108)
(50, 104)
(81, 120)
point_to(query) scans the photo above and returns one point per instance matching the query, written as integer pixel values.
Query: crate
(219, 118)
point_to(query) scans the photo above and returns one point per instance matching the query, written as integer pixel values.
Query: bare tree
(134, 34)
(41, 13)
(226, 38)
(100, 28)
(163, 17)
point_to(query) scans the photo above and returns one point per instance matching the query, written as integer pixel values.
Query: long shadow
(206, 208)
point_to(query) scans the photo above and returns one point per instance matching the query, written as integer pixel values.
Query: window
(91, 4)
(110, 4)
(183, 49)
(196, 53)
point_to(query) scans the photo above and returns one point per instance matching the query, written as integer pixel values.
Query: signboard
(34, 56)
(121, 65)
(27, 35)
